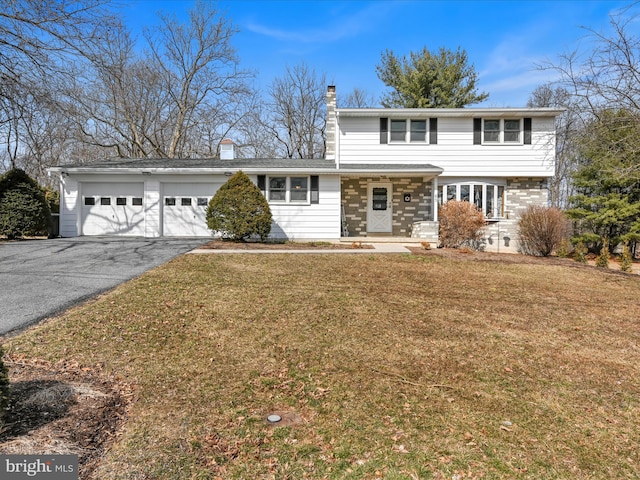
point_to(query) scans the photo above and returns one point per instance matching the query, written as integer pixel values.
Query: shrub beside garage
(24, 209)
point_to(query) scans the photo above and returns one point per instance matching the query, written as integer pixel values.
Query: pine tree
(429, 80)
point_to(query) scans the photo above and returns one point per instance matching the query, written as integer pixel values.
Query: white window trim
(407, 132)
(501, 140)
(287, 199)
(499, 208)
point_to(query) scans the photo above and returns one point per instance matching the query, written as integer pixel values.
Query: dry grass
(396, 367)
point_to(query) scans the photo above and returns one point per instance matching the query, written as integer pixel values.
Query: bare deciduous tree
(560, 185)
(39, 40)
(296, 117)
(358, 98)
(199, 69)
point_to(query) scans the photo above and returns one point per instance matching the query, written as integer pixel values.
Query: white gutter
(449, 112)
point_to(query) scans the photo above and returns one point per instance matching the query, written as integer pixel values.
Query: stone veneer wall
(501, 235)
(354, 200)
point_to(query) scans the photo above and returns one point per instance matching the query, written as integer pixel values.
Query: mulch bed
(62, 409)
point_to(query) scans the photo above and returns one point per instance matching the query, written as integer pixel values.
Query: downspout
(434, 198)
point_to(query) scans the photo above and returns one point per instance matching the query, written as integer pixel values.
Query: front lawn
(381, 366)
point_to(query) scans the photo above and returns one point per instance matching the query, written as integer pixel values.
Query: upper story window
(408, 131)
(418, 131)
(512, 131)
(502, 131)
(398, 130)
(491, 131)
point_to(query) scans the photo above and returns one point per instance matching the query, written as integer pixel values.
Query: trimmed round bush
(239, 211)
(24, 210)
(461, 225)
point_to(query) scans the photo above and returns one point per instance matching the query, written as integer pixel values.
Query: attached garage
(184, 207)
(169, 197)
(112, 209)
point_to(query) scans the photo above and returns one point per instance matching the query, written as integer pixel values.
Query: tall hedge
(239, 210)
(24, 210)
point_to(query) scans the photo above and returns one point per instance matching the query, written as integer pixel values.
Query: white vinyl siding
(359, 140)
(310, 221)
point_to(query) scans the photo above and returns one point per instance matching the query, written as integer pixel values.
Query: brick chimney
(330, 150)
(226, 150)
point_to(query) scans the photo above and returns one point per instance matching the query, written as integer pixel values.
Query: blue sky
(505, 40)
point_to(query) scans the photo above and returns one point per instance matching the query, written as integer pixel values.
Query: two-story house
(384, 174)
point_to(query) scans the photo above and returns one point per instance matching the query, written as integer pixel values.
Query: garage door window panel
(89, 201)
(170, 202)
(105, 201)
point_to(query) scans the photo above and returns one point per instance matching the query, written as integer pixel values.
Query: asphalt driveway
(39, 278)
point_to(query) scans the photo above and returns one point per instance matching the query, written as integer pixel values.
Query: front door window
(379, 198)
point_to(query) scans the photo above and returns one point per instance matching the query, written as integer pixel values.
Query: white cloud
(340, 27)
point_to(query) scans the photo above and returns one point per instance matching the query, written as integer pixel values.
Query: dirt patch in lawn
(62, 409)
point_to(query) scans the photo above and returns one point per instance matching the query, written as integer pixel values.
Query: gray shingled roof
(188, 163)
(253, 165)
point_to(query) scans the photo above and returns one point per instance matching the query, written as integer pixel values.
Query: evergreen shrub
(626, 260)
(461, 225)
(602, 260)
(24, 210)
(239, 210)
(580, 253)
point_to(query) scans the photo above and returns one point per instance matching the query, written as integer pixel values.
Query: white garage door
(184, 207)
(113, 209)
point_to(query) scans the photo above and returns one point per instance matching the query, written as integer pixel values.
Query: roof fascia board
(179, 171)
(449, 112)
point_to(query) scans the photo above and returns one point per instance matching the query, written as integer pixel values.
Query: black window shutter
(433, 131)
(315, 189)
(384, 128)
(477, 131)
(262, 183)
(527, 131)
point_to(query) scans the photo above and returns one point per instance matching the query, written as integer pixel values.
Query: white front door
(379, 212)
